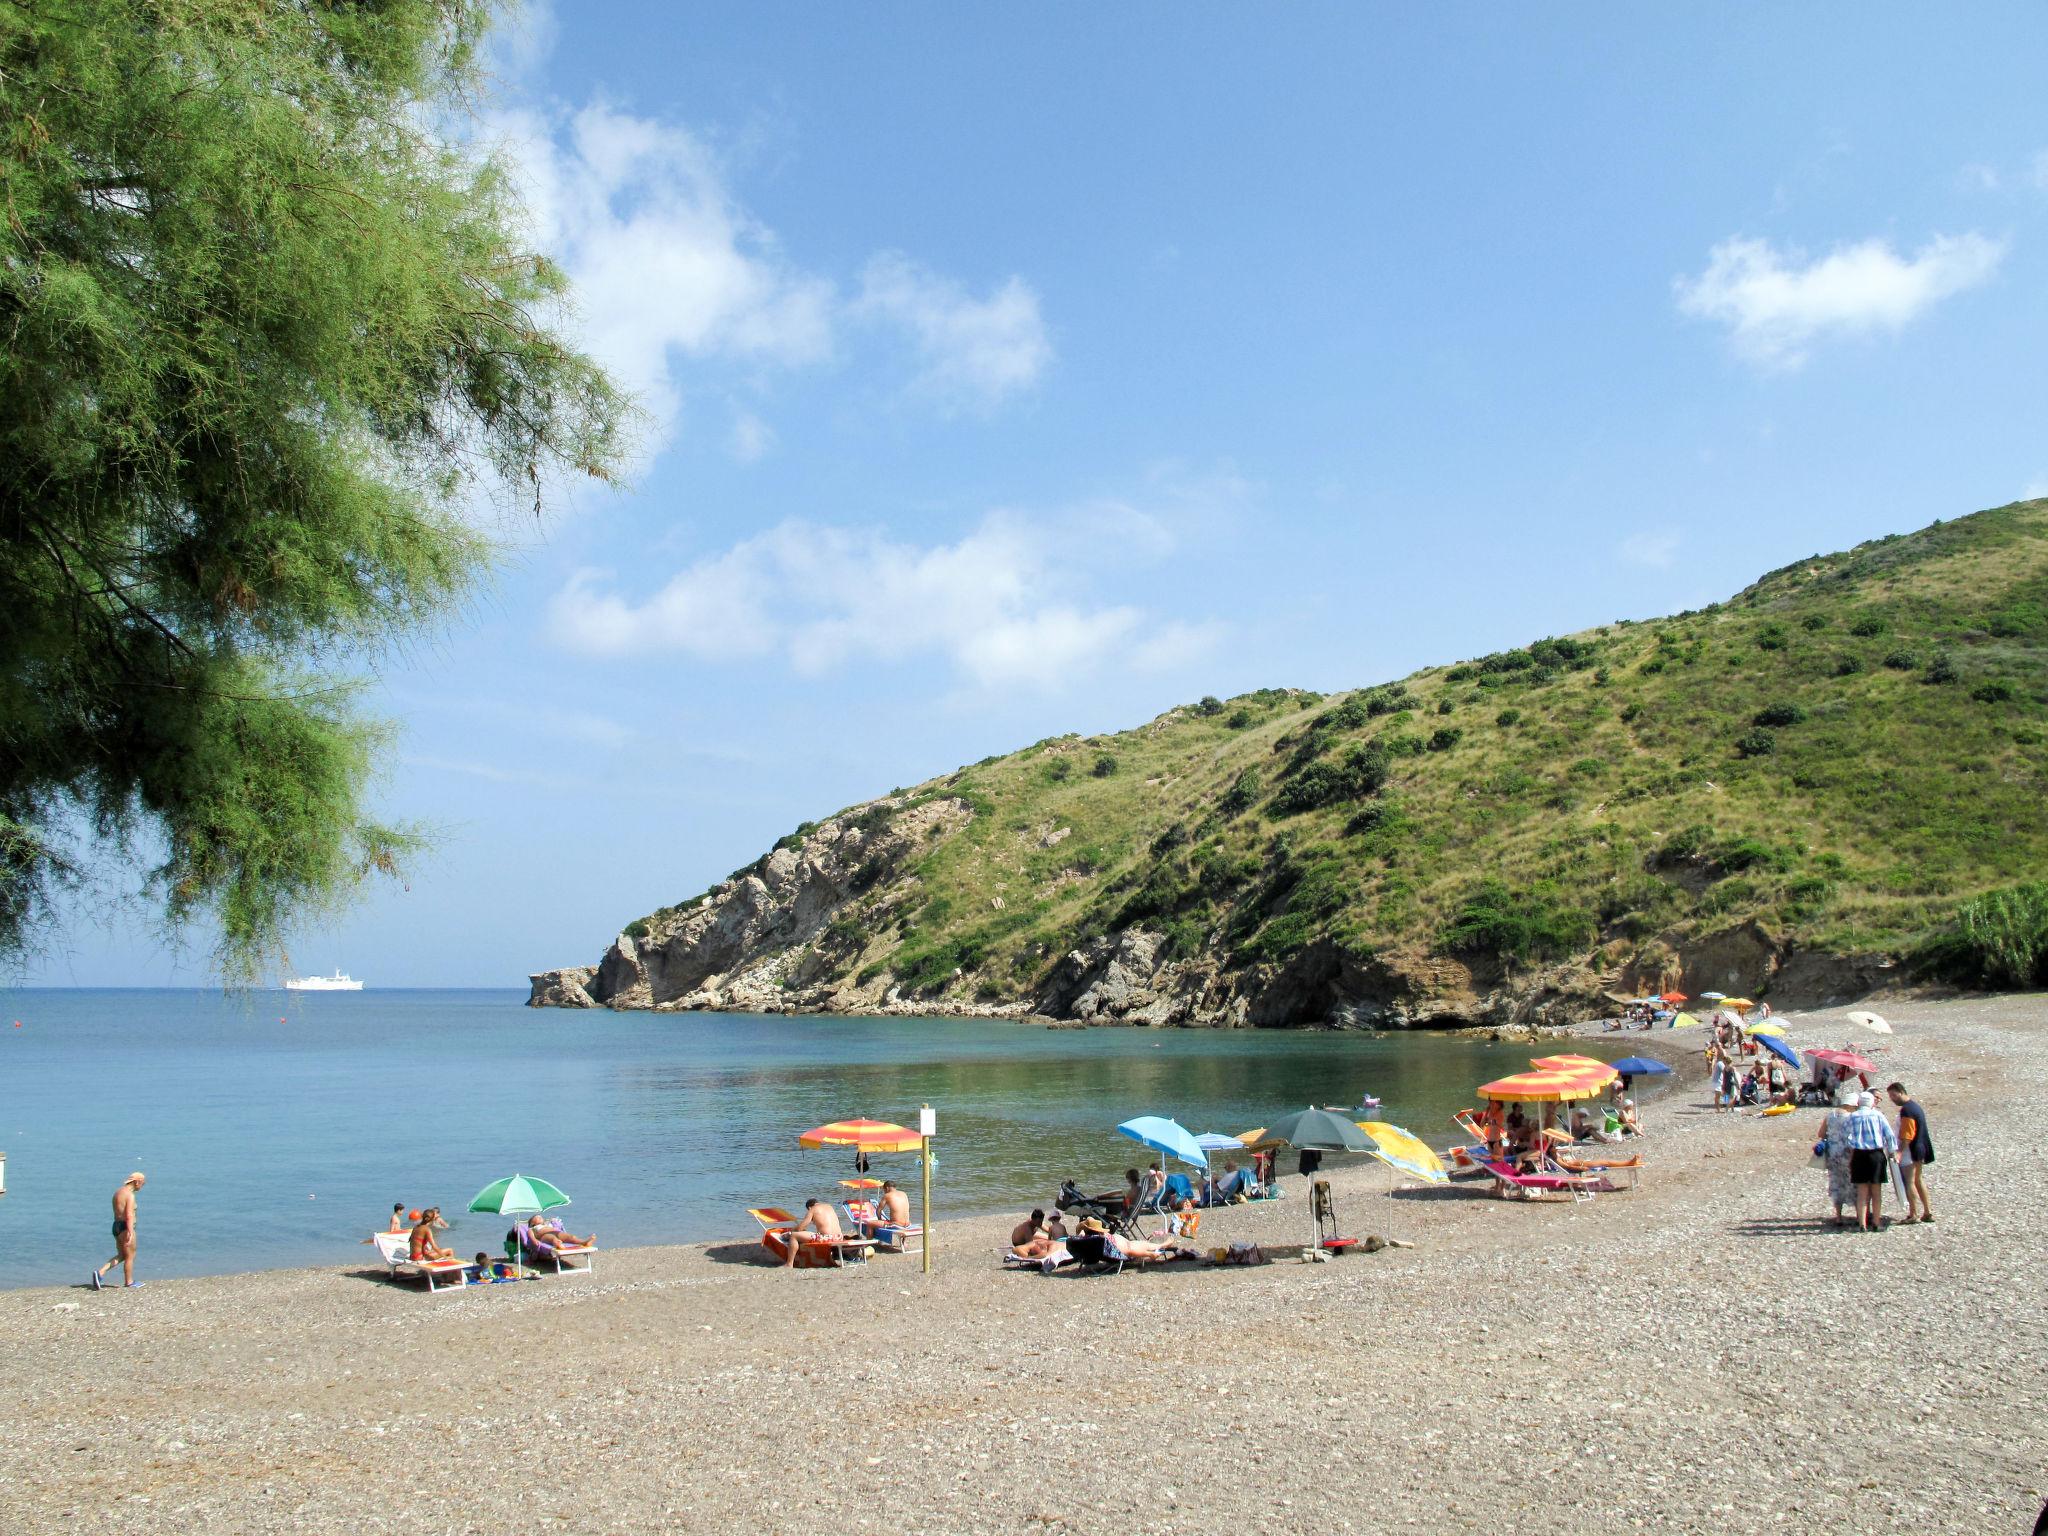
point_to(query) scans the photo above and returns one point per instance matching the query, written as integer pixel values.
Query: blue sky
(1012, 372)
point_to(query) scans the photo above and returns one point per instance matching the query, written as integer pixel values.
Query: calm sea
(279, 1128)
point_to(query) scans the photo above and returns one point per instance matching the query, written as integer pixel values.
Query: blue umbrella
(1779, 1049)
(1169, 1138)
(1216, 1141)
(1638, 1066)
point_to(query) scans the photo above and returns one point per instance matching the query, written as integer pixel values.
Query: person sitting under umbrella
(821, 1221)
(1630, 1125)
(542, 1232)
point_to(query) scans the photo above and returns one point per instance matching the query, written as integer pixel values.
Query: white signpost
(927, 1127)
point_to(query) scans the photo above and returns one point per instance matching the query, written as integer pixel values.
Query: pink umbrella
(1848, 1061)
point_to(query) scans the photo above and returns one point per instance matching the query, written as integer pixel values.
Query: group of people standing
(1862, 1150)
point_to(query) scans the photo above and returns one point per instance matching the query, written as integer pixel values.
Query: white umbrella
(1874, 1022)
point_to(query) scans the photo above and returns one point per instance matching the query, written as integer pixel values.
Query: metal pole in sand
(927, 1125)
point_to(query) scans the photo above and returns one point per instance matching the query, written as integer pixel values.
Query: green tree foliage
(268, 336)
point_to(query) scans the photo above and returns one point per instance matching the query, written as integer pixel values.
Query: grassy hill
(1833, 762)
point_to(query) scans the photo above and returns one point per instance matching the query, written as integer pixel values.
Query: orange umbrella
(862, 1136)
(1544, 1086)
(1592, 1066)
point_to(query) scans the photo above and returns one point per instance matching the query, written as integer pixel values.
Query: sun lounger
(813, 1252)
(540, 1256)
(1600, 1164)
(1511, 1181)
(395, 1249)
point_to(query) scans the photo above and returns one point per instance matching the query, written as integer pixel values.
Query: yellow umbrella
(1404, 1152)
(1766, 1027)
(1739, 1004)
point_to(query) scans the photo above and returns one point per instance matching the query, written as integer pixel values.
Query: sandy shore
(1705, 1354)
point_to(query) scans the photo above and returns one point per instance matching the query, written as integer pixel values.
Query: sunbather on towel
(820, 1220)
(1139, 1248)
(1032, 1226)
(423, 1248)
(543, 1233)
(1036, 1246)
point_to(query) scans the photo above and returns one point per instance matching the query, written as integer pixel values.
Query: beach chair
(395, 1249)
(538, 1255)
(1601, 1164)
(1325, 1208)
(812, 1252)
(1511, 1182)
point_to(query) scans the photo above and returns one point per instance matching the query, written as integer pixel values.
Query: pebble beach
(1703, 1354)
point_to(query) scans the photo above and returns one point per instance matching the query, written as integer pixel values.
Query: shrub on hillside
(1239, 720)
(1518, 925)
(1901, 660)
(1771, 637)
(1209, 705)
(1242, 795)
(2017, 620)
(636, 929)
(1941, 670)
(1059, 770)
(1755, 744)
(1384, 701)
(1996, 691)
(1445, 739)
(1868, 625)
(1464, 672)
(795, 839)
(1814, 623)
(1444, 706)
(1848, 666)
(1361, 774)
(1402, 744)
(1105, 765)
(1507, 717)
(1778, 714)
(1998, 939)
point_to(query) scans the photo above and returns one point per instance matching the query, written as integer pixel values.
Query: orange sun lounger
(812, 1252)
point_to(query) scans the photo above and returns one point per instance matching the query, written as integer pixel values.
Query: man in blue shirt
(1871, 1144)
(1916, 1150)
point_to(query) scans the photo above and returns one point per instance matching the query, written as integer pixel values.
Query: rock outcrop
(566, 987)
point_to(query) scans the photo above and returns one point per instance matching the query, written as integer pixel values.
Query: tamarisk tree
(268, 329)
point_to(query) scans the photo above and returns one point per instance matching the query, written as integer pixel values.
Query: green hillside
(1842, 754)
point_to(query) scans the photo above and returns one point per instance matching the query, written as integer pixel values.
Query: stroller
(1107, 1209)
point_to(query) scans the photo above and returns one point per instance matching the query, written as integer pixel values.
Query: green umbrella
(517, 1196)
(1317, 1130)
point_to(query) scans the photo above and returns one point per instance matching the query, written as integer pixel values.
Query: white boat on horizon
(335, 983)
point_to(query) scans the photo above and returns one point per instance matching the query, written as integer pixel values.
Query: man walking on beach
(1916, 1149)
(124, 1234)
(1871, 1144)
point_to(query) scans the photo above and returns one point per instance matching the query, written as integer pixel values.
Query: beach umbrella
(1776, 1045)
(1639, 1066)
(1848, 1061)
(1169, 1138)
(1762, 1029)
(1404, 1152)
(860, 1183)
(1673, 998)
(1216, 1141)
(1739, 1004)
(1590, 1065)
(1712, 997)
(1316, 1130)
(1874, 1022)
(1685, 1021)
(862, 1136)
(1545, 1086)
(518, 1196)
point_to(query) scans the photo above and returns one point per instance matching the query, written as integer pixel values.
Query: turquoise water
(278, 1129)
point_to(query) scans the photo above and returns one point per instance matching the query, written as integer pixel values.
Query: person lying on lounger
(1040, 1245)
(1032, 1226)
(423, 1248)
(543, 1233)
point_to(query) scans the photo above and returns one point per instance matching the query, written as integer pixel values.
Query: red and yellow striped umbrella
(1541, 1087)
(862, 1136)
(1592, 1066)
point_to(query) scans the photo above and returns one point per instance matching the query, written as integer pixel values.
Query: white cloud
(1004, 605)
(1776, 305)
(970, 351)
(1978, 177)
(751, 437)
(671, 275)
(1657, 550)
